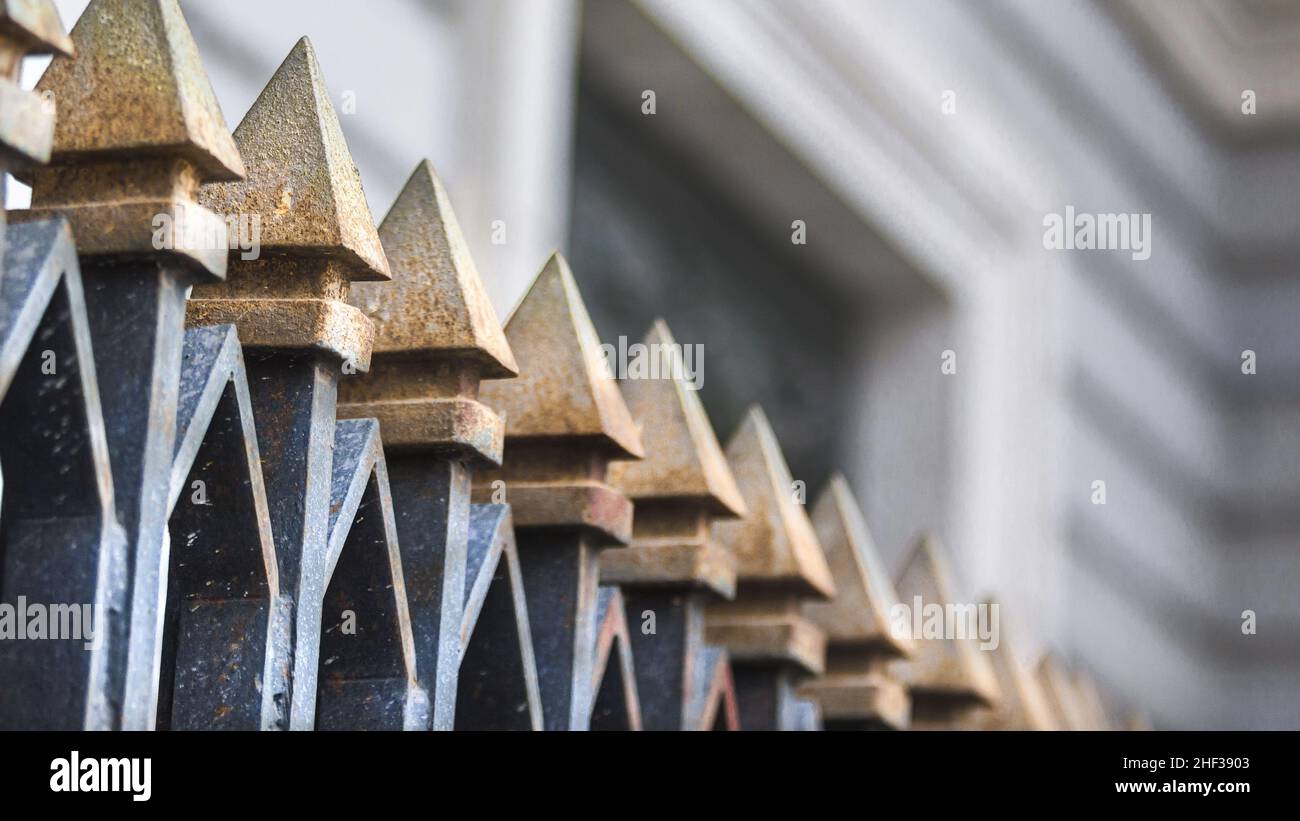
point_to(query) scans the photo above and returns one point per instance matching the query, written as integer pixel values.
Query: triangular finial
(686, 462)
(949, 667)
(35, 25)
(775, 542)
(302, 183)
(565, 389)
(864, 594)
(137, 87)
(436, 303)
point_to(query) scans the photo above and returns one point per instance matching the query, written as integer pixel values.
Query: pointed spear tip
(138, 88)
(866, 595)
(316, 205)
(436, 302)
(36, 25)
(688, 462)
(565, 388)
(768, 490)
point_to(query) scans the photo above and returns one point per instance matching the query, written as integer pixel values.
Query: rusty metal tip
(775, 542)
(565, 389)
(138, 88)
(687, 462)
(36, 25)
(302, 182)
(865, 593)
(436, 304)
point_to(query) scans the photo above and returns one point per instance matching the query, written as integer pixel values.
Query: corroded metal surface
(679, 489)
(317, 235)
(1022, 702)
(54, 439)
(780, 566)
(774, 543)
(673, 565)
(436, 307)
(565, 422)
(300, 334)
(498, 688)
(947, 677)
(136, 89)
(26, 122)
(226, 631)
(138, 131)
(437, 337)
(564, 390)
(857, 684)
(615, 705)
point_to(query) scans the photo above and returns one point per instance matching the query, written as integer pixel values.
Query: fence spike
(857, 690)
(779, 565)
(1022, 702)
(565, 422)
(947, 677)
(674, 567)
(436, 338)
(300, 336)
(26, 120)
(139, 131)
(1062, 696)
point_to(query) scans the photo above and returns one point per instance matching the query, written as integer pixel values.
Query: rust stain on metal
(564, 390)
(436, 334)
(137, 88)
(774, 543)
(317, 234)
(947, 677)
(138, 131)
(682, 485)
(565, 416)
(858, 684)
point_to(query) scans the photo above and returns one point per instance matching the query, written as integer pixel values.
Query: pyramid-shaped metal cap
(436, 302)
(864, 593)
(36, 25)
(1023, 704)
(136, 88)
(686, 461)
(564, 389)
(302, 181)
(774, 542)
(953, 666)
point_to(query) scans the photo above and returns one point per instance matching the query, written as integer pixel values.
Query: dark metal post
(436, 338)
(60, 543)
(674, 567)
(948, 679)
(300, 336)
(565, 422)
(780, 565)
(138, 130)
(858, 689)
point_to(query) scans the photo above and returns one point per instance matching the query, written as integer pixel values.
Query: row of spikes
(139, 125)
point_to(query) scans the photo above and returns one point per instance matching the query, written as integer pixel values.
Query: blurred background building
(922, 145)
